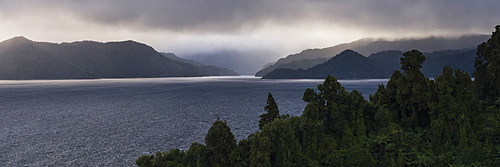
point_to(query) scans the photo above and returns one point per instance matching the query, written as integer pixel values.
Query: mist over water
(111, 122)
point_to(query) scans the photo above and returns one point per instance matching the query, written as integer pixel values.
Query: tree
(412, 61)
(332, 120)
(220, 143)
(413, 91)
(272, 112)
(401, 112)
(487, 65)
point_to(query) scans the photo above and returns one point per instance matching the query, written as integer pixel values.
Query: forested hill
(350, 64)
(367, 46)
(21, 58)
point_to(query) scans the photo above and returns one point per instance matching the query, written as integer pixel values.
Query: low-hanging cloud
(241, 16)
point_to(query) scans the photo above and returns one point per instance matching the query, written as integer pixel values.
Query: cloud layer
(239, 16)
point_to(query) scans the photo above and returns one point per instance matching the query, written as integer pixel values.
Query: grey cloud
(222, 16)
(238, 16)
(423, 15)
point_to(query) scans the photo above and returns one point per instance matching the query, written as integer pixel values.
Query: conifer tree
(272, 111)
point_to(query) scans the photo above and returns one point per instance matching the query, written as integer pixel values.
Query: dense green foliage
(410, 121)
(487, 66)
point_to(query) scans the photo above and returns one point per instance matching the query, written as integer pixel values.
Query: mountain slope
(350, 64)
(387, 61)
(21, 58)
(462, 59)
(27, 61)
(369, 46)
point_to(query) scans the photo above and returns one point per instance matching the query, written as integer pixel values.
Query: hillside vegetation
(411, 121)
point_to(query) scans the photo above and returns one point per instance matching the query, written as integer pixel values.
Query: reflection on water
(110, 122)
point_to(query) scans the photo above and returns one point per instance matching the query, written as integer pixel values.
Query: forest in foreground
(451, 120)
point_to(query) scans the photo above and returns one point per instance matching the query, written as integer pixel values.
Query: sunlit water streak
(111, 122)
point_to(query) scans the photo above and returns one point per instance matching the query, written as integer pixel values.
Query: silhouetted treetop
(272, 111)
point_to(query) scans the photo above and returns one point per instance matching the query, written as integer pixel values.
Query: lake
(111, 122)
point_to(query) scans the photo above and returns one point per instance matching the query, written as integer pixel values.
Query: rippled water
(111, 122)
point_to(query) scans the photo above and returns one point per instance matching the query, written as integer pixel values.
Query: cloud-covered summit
(189, 27)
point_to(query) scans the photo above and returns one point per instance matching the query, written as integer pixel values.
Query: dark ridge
(350, 64)
(21, 58)
(370, 46)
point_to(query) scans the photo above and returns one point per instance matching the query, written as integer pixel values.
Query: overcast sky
(277, 27)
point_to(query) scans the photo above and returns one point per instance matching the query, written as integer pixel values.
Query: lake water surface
(111, 122)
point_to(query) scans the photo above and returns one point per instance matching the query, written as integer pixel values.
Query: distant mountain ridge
(206, 70)
(367, 46)
(21, 58)
(352, 65)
